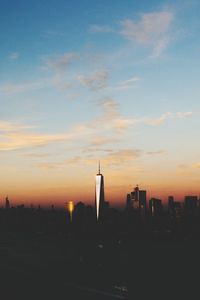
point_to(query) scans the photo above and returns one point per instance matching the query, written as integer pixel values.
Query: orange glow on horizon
(56, 190)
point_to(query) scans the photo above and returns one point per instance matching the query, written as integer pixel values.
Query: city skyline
(83, 82)
(136, 199)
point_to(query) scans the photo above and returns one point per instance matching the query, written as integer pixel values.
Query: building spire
(99, 167)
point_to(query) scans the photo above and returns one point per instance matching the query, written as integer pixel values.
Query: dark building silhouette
(128, 202)
(142, 201)
(155, 206)
(170, 203)
(137, 200)
(7, 203)
(191, 203)
(177, 209)
(174, 208)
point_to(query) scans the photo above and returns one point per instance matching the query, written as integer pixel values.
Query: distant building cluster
(137, 201)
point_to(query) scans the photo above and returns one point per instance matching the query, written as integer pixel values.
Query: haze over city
(83, 81)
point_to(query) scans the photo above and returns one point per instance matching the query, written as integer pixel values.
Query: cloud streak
(111, 118)
(19, 140)
(106, 129)
(160, 120)
(158, 152)
(115, 158)
(168, 115)
(100, 29)
(14, 136)
(14, 56)
(129, 83)
(12, 127)
(13, 88)
(150, 29)
(196, 165)
(98, 80)
(121, 157)
(60, 63)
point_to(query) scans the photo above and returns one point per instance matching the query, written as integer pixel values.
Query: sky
(110, 80)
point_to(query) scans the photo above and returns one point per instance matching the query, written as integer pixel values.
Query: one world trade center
(99, 195)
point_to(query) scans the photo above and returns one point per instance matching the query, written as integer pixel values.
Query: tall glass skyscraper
(99, 194)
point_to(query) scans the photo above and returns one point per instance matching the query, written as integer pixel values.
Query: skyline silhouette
(137, 198)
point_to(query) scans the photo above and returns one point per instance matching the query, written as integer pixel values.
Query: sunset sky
(110, 80)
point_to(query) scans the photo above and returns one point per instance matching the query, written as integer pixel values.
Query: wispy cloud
(102, 140)
(168, 115)
(14, 136)
(160, 47)
(151, 30)
(112, 118)
(160, 120)
(52, 34)
(121, 157)
(20, 140)
(35, 155)
(98, 142)
(107, 129)
(60, 62)
(115, 158)
(184, 114)
(100, 28)
(127, 84)
(158, 152)
(50, 166)
(12, 127)
(14, 55)
(61, 83)
(60, 67)
(14, 88)
(98, 80)
(196, 165)
(97, 149)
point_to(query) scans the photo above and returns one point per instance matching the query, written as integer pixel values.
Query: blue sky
(87, 80)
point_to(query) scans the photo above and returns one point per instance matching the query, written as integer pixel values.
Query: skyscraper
(137, 200)
(191, 203)
(155, 206)
(7, 203)
(99, 194)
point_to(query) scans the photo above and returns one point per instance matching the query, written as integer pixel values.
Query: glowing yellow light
(70, 207)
